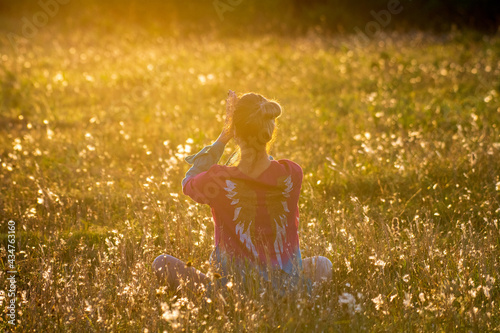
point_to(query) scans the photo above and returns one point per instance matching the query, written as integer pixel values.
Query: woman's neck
(253, 161)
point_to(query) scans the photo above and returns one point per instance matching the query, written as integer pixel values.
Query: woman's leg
(171, 271)
(317, 269)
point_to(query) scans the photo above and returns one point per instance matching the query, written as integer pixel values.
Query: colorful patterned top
(256, 219)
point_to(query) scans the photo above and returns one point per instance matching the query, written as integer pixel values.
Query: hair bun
(270, 109)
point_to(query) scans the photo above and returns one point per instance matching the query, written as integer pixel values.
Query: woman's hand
(227, 131)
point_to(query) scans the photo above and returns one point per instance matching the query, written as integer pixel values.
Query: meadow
(398, 136)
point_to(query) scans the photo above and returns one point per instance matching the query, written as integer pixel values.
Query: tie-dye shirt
(255, 218)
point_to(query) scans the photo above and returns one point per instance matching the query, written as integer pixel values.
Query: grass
(399, 140)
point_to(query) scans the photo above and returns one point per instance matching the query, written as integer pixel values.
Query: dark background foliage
(260, 16)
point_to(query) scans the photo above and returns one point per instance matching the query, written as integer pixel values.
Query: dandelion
(183, 151)
(17, 145)
(46, 274)
(486, 291)
(346, 298)
(350, 301)
(170, 315)
(58, 77)
(329, 249)
(371, 97)
(378, 301)
(30, 212)
(407, 300)
(380, 263)
(88, 307)
(451, 299)
(348, 265)
(162, 290)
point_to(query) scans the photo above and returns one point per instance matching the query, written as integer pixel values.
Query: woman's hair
(254, 119)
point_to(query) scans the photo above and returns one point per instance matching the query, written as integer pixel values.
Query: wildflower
(380, 263)
(486, 291)
(407, 300)
(378, 301)
(350, 301)
(170, 315)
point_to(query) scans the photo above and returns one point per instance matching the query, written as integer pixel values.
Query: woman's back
(255, 218)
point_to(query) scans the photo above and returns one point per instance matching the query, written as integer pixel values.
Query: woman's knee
(323, 268)
(165, 268)
(318, 268)
(159, 264)
(162, 263)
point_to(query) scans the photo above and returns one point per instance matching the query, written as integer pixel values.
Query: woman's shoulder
(286, 162)
(221, 170)
(289, 166)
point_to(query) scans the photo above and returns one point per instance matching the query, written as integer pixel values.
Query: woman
(254, 204)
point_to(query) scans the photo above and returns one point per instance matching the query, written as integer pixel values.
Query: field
(398, 136)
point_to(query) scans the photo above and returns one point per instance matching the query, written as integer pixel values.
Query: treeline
(257, 16)
(437, 15)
